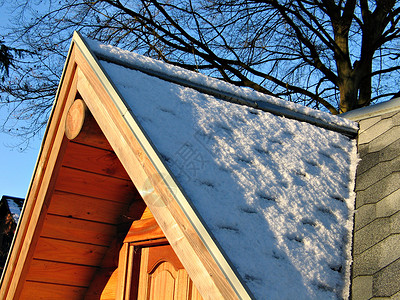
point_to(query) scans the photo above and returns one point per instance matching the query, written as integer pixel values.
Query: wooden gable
(86, 208)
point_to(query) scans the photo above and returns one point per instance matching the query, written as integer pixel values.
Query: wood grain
(95, 185)
(77, 116)
(60, 273)
(144, 230)
(47, 291)
(78, 230)
(87, 208)
(94, 160)
(69, 252)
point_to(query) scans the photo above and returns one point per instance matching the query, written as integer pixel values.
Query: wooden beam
(81, 127)
(144, 230)
(78, 116)
(122, 272)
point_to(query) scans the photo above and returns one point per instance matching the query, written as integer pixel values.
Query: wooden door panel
(162, 276)
(163, 282)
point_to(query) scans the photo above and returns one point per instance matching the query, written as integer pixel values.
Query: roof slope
(275, 193)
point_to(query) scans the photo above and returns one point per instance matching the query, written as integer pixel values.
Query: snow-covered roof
(14, 205)
(273, 189)
(373, 110)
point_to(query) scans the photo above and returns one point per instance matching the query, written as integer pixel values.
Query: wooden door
(162, 276)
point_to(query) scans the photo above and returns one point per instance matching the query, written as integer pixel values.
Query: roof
(373, 110)
(275, 193)
(266, 184)
(14, 205)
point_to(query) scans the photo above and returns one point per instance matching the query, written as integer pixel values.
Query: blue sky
(16, 167)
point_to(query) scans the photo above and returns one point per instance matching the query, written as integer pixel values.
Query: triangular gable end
(62, 182)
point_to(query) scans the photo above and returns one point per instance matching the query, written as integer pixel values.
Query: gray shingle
(379, 190)
(391, 115)
(361, 288)
(375, 232)
(377, 257)
(364, 215)
(396, 119)
(368, 161)
(374, 131)
(386, 282)
(367, 123)
(377, 172)
(385, 139)
(391, 151)
(388, 205)
(363, 150)
(371, 159)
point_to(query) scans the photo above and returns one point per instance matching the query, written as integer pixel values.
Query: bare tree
(331, 55)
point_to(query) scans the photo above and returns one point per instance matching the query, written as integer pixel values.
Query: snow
(15, 209)
(129, 58)
(277, 194)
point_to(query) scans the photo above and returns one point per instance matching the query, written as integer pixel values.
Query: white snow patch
(275, 193)
(15, 210)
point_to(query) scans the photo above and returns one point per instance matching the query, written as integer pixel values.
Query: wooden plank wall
(90, 202)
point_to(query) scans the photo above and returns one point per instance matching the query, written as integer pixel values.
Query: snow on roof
(223, 89)
(276, 193)
(15, 206)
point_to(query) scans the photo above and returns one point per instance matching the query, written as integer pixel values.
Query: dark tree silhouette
(330, 55)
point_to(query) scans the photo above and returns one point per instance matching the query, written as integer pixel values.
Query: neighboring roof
(275, 193)
(15, 205)
(373, 110)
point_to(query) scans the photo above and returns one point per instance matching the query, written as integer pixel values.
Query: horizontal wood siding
(94, 185)
(94, 160)
(70, 252)
(49, 291)
(86, 208)
(93, 197)
(61, 273)
(78, 230)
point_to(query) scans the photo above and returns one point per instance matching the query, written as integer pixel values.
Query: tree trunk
(365, 84)
(348, 94)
